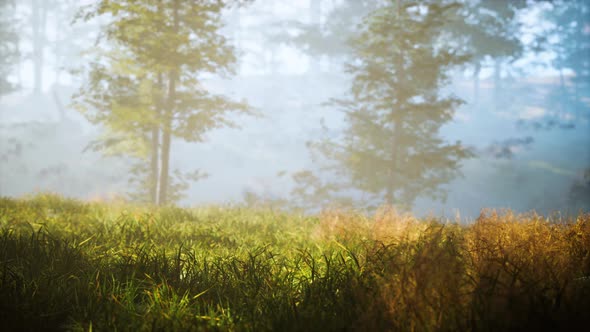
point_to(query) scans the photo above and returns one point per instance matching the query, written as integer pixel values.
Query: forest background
(510, 102)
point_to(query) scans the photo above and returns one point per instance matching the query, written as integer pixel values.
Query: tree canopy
(146, 83)
(391, 148)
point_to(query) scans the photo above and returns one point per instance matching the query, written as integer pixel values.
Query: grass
(75, 266)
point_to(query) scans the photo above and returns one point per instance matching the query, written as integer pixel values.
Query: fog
(495, 98)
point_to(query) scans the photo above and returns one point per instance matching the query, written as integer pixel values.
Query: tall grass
(69, 265)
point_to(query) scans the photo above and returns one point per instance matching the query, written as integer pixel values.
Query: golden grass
(139, 268)
(501, 269)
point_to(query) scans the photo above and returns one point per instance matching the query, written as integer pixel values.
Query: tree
(571, 32)
(489, 31)
(53, 40)
(8, 46)
(571, 42)
(39, 11)
(579, 195)
(329, 37)
(390, 147)
(69, 40)
(148, 86)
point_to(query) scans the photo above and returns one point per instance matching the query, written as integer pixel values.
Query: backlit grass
(69, 265)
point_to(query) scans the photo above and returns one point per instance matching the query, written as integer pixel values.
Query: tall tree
(579, 195)
(391, 147)
(571, 31)
(68, 40)
(169, 45)
(330, 36)
(39, 9)
(570, 38)
(489, 31)
(8, 45)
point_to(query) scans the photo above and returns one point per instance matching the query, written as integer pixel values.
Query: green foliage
(311, 192)
(391, 147)
(147, 85)
(69, 265)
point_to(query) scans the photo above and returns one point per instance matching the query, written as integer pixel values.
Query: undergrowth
(67, 265)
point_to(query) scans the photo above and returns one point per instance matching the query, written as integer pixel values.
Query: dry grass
(503, 272)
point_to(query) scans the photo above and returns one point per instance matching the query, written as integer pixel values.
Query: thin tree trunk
(167, 128)
(561, 80)
(37, 47)
(56, 47)
(476, 72)
(164, 176)
(562, 92)
(577, 34)
(273, 60)
(154, 165)
(166, 138)
(390, 192)
(315, 11)
(237, 33)
(399, 63)
(156, 145)
(497, 83)
(19, 66)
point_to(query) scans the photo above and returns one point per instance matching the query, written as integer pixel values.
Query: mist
(444, 108)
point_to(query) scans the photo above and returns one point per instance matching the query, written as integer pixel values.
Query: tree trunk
(167, 127)
(578, 5)
(476, 72)
(399, 63)
(164, 176)
(155, 144)
(497, 83)
(154, 165)
(562, 93)
(236, 25)
(59, 19)
(38, 19)
(166, 138)
(315, 13)
(271, 57)
(37, 52)
(390, 193)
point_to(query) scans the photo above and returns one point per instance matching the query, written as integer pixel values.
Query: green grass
(69, 265)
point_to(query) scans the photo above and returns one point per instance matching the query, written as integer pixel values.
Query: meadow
(68, 265)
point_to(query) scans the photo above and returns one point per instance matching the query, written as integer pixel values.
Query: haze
(302, 80)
